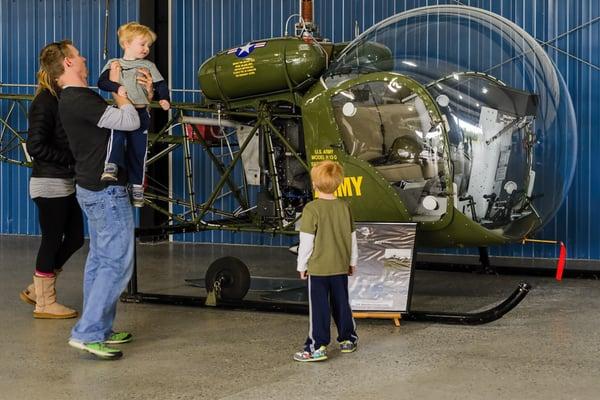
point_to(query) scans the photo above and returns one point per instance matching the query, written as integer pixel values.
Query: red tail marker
(560, 265)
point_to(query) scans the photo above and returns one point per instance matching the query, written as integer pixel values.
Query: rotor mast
(307, 13)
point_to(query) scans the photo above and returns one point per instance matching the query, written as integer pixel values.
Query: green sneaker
(306, 356)
(99, 349)
(119, 337)
(347, 346)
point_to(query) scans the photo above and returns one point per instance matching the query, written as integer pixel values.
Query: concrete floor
(547, 348)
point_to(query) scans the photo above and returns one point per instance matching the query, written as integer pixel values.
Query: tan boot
(28, 294)
(46, 305)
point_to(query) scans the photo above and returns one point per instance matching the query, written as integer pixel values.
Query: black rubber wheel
(235, 277)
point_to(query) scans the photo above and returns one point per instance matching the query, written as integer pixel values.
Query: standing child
(128, 149)
(326, 256)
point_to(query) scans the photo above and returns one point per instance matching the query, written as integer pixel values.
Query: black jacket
(47, 141)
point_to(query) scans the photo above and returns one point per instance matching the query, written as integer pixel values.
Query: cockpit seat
(363, 137)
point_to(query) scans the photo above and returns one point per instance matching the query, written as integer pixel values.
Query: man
(87, 120)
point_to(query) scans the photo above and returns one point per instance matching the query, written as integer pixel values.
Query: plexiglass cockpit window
(511, 127)
(390, 127)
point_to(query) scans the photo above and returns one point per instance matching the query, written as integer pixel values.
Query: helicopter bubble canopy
(509, 120)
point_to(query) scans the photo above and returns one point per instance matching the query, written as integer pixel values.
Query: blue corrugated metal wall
(25, 27)
(201, 28)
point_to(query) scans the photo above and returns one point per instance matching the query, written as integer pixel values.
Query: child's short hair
(130, 30)
(326, 176)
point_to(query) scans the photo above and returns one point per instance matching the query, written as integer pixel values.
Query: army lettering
(350, 187)
(322, 155)
(244, 67)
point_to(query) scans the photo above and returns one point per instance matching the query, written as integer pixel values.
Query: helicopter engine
(289, 183)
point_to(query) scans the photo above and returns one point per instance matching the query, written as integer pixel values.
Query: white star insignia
(245, 49)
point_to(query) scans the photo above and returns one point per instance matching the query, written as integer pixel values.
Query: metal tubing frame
(263, 114)
(221, 168)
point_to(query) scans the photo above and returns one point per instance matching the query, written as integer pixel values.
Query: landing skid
(478, 318)
(290, 296)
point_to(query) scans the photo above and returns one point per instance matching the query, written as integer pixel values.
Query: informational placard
(383, 277)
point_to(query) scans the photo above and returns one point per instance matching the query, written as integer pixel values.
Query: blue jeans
(109, 264)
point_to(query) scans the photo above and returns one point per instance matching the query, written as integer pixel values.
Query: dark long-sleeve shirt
(86, 118)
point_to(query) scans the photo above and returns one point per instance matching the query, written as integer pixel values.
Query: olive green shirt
(331, 223)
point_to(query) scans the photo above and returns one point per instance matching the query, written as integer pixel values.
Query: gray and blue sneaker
(306, 356)
(347, 346)
(137, 195)
(110, 173)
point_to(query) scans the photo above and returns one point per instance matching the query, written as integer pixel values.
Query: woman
(52, 189)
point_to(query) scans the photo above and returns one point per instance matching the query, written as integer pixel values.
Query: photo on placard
(383, 276)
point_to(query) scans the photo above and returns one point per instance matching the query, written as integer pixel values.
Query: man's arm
(124, 118)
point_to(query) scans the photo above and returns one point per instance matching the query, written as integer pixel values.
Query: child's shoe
(306, 356)
(347, 346)
(110, 173)
(137, 195)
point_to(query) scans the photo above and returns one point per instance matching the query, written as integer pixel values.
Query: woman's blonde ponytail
(51, 66)
(44, 82)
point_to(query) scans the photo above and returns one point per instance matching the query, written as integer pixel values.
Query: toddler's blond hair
(130, 30)
(326, 176)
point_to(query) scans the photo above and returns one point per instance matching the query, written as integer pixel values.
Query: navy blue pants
(127, 149)
(324, 291)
